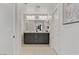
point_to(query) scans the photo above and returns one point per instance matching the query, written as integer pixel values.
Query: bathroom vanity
(36, 29)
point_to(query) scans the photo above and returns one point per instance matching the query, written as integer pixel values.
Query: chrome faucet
(38, 28)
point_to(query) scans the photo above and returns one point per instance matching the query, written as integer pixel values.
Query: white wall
(66, 39)
(7, 14)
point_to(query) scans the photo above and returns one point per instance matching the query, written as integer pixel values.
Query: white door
(7, 28)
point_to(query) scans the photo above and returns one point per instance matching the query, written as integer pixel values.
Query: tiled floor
(37, 50)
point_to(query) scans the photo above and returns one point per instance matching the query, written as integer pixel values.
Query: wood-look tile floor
(37, 50)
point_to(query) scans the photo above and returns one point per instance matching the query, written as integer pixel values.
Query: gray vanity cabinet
(36, 38)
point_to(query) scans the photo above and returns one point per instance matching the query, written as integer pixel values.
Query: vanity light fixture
(30, 17)
(37, 17)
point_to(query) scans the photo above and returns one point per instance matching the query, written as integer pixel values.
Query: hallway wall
(7, 17)
(66, 37)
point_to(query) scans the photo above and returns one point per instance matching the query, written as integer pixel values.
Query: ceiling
(39, 7)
